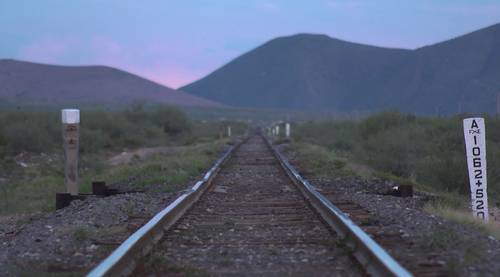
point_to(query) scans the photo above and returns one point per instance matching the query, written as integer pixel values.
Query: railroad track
(252, 214)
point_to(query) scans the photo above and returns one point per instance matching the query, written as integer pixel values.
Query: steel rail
(122, 261)
(374, 259)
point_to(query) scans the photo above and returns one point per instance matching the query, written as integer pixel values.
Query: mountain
(317, 72)
(25, 83)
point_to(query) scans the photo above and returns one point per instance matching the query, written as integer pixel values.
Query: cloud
(106, 51)
(170, 76)
(168, 62)
(164, 62)
(268, 6)
(46, 50)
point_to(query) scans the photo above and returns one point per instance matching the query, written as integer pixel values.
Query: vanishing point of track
(254, 216)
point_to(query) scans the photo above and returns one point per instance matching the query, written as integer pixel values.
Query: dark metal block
(63, 200)
(99, 188)
(405, 190)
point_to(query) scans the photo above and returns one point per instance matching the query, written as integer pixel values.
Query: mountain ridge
(312, 71)
(39, 84)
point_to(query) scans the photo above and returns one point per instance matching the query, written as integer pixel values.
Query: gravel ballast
(75, 238)
(463, 250)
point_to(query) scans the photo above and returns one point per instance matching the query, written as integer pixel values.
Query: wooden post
(71, 129)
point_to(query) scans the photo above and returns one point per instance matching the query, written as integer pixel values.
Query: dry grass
(327, 163)
(449, 205)
(462, 216)
(37, 194)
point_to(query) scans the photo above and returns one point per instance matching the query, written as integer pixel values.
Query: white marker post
(229, 131)
(475, 144)
(287, 130)
(277, 130)
(71, 120)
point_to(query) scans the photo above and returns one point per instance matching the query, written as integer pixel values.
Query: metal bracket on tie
(401, 191)
(99, 189)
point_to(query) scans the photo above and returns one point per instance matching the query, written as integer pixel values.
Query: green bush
(136, 126)
(430, 151)
(171, 120)
(384, 121)
(27, 137)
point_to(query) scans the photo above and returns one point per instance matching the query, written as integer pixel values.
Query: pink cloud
(47, 50)
(173, 78)
(169, 63)
(165, 62)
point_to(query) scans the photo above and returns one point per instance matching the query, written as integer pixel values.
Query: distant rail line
(252, 214)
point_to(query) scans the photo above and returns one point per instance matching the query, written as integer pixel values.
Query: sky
(175, 42)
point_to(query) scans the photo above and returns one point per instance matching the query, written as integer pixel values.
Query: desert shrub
(335, 135)
(23, 139)
(27, 137)
(28, 131)
(383, 121)
(136, 113)
(209, 130)
(387, 153)
(101, 130)
(171, 120)
(430, 151)
(92, 141)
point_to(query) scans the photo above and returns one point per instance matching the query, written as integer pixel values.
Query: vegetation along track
(256, 220)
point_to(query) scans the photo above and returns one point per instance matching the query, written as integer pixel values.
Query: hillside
(319, 72)
(25, 83)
